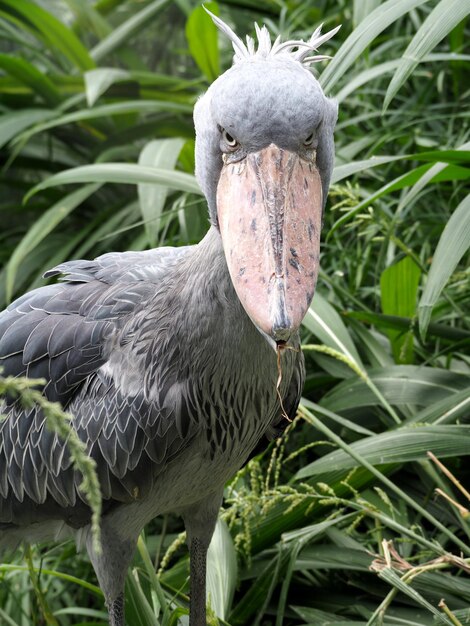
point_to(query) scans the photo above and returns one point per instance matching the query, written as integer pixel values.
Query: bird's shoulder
(61, 332)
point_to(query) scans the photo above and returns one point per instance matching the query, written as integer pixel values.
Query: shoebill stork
(167, 359)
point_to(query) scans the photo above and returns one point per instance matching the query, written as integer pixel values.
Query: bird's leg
(116, 611)
(110, 565)
(200, 520)
(197, 560)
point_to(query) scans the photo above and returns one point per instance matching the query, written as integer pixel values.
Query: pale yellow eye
(309, 140)
(229, 140)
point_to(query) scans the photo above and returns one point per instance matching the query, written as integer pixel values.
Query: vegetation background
(346, 521)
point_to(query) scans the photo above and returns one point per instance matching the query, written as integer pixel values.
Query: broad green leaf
(382, 69)
(88, 18)
(442, 19)
(363, 8)
(403, 445)
(105, 110)
(378, 354)
(127, 173)
(454, 242)
(400, 384)
(362, 36)
(446, 411)
(404, 323)
(305, 534)
(99, 80)
(201, 34)
(338, 419)
(393, 579)
(51, 30)
(221, 570)
(14, 122)
(325, 323)
(41, 228)
(463, 615)
(398, 290)
(431, 175)
(341, 172)
(128, 29)
(138, 608)
(461, 154)
(29, 75)
(161, 154)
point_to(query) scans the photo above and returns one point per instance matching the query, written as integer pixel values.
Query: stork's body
(165, 358)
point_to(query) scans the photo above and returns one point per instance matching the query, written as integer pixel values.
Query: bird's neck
(207, 295)
(208, 268)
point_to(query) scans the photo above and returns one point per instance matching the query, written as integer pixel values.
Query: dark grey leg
(197, 560)
(200, 519)
(110, 565)
(116, 611)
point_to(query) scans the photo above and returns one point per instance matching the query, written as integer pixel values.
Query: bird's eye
(309, 140)
(229, 140)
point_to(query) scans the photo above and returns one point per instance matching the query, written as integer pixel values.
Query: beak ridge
(269, 210)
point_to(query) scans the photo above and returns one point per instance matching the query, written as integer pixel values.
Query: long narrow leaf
(400, 385)
(398, 446)
(363, 36)
(443, 18)
(161, 154)
(126, 173)
(127, 29)
(454, 242)
(41, 228)
(51, 29)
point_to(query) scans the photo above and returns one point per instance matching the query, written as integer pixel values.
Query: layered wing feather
(65, 333)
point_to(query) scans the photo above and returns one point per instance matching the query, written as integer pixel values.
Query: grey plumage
(170, 381)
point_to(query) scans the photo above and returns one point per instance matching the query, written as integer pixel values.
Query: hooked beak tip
(281, 334)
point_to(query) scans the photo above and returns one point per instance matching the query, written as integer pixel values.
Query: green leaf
(393, 579)
(98, 81)
(161, 154)
(138, 609)
(201, 34)
(51, 30)
(221, 570)
(398, 290)
(41, 228)
(14, 122)
(128, 29)
(400, 384)
(454, 242)
(461, 154)
(29, 75)
(403, 445)
(446, 411)
(443, 18)
(125, 173)
(404, 323)
(382, 69)
(362, 36)
(405, 180)
(117, 108)
(325, 323)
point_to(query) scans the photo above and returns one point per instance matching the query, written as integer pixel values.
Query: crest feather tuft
(296, 50)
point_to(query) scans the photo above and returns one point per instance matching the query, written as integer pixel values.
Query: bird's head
(264, 156)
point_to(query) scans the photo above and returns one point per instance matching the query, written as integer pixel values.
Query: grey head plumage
(268, 95)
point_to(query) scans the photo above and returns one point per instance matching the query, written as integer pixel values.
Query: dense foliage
(346, 521)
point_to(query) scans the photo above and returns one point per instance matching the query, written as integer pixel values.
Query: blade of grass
(316, 423)
(453, 243)
(443, 18)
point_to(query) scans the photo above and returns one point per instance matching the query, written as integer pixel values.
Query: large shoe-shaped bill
(269, 207)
